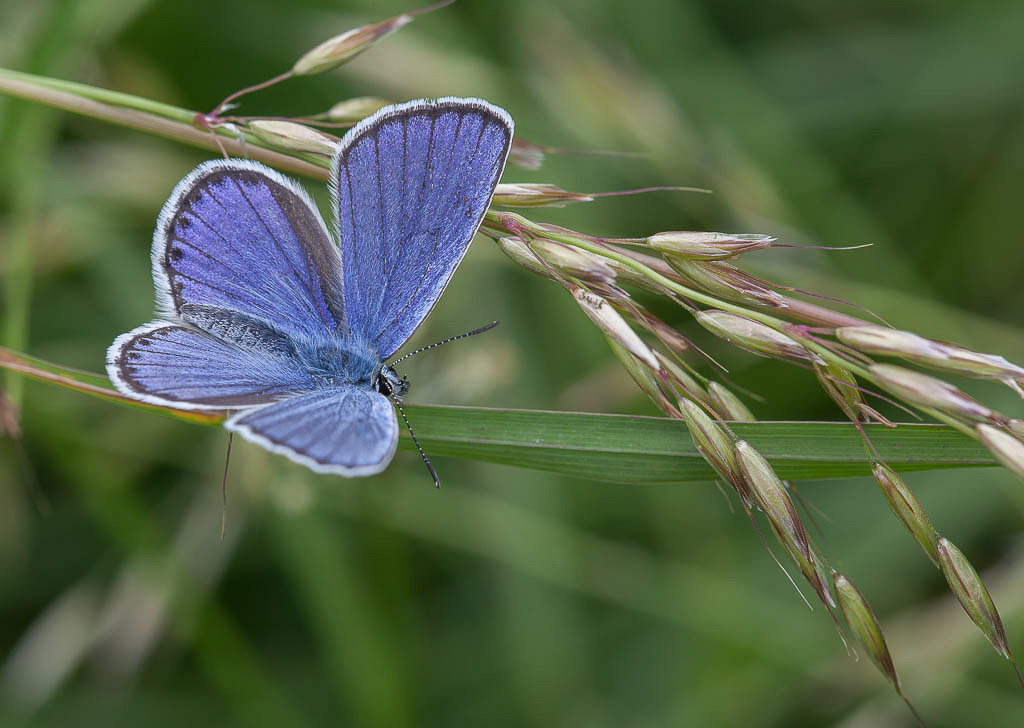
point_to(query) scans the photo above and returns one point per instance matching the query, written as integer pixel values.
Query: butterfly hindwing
(180, 366)
(344, 430)
(411, 185)
(237, 235)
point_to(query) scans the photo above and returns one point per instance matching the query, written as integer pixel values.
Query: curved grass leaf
(615, 448)
(632, 449)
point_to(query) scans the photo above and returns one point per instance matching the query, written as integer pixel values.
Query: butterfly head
(388, 383)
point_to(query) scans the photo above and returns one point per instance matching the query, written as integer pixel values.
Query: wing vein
(309, 302)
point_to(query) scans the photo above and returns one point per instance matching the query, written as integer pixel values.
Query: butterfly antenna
(449, 340)
(426, 460)
(224, 489)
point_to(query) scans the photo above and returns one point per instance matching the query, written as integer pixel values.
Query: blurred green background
(510, 597)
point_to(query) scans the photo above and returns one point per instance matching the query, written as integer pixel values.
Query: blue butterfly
(261, 310)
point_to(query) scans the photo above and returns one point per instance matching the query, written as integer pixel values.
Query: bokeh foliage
(509, 597)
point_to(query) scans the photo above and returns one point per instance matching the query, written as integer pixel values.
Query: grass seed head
(518, 250)
(1008, 449)
(356, 109)
(893, 342)
(289, 135)
(708, 246)
(573, 261)
(728, 404)
(972, 594)
(527, 194)
(841, 386)
(917, 388)
(613, 325)
(753, 336)
(714, 444)
(927, 352)
(907, 508)
(771, 495)
(341, 48)
(811, 566)
(725, 281)
(965, 362)
(682, 378)
(548, 258)
(646, 379)
(864, 626)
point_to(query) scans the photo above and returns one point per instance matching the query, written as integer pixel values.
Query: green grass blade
(616, 448)
(631, 449)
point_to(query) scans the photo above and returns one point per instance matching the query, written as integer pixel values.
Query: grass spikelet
(864, 625)
(970, 591)
(907, 508)
(1008, 449)
(753, 336)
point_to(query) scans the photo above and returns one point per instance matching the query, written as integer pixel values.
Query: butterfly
(261, 312)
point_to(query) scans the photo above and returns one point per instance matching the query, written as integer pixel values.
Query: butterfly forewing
(239, 236)
(412, 184)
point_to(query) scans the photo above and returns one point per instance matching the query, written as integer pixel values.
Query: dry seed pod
(708, 246)
(753, 336)
(935, 354)
(728, 404)
(682, 378)
(341, 48)
(725, 280)
(643, 376)
(613, 325)
(907, 508)
(289, 135)
(865, 627)
(356, 108)
(1008, 449)
(772, 497)
(918, 388)
(535, 195)
(973, 596)
(714, 445)
(841, 386)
